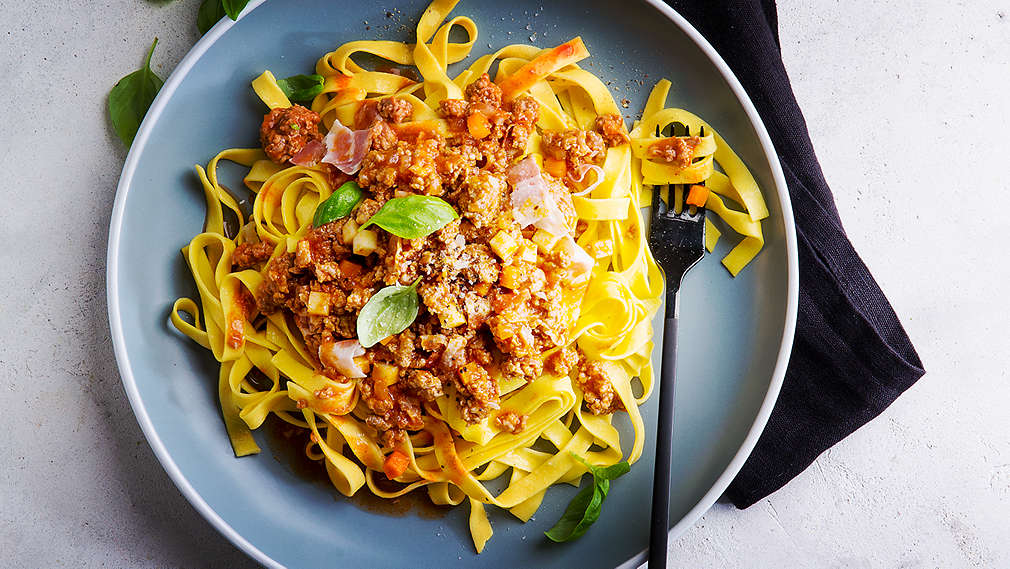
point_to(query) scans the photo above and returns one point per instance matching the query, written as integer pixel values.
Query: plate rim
(196, 500)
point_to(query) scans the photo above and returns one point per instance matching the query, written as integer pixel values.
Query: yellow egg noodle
(450, 458)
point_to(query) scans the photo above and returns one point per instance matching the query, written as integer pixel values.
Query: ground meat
(476, 308)
(598, 393)
(440, 299)
(562, 362)
(321, 285)
(479, 264)
(574, 146)
(250, 255)
(392, 438)
(483, 197)
(513, 322)
(433, 342)
(383, 136)
(423, 384)
(394, 109)
(479, 391)
(454, 108)
(454, 356)
(611, 127)
(528, 368)
(286, 131)
(366, 209)
(402, 260)
(484, 91)
(511, 421)
(405, 166)
(678, 151)
(391, 406)
(525, 110)
(403, 347)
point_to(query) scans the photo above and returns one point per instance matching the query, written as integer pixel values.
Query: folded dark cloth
(851, 357)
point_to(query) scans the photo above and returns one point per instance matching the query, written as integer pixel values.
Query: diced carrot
(482, 288)
(473, 373)
(349, 269)
(478, 126)
(554, 167)
(395, 464)
(543, 65)
(510, 277)
(698, 195)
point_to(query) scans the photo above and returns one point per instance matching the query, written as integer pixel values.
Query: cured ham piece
(310, 154)
(340, 356)
(532, 202)
(346, 148)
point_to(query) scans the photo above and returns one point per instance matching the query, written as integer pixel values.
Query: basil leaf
(413, 217)
(339, 204)
(611, 472)
(131, 97)
(605, 473)
(211, 11)
(574, 514)
(388, 312)
(234, 7)
(301, 87)
(585, 508)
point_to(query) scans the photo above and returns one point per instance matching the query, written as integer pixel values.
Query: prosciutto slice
(346, 148)
(310, 154)
(532, 202)
(340, 356)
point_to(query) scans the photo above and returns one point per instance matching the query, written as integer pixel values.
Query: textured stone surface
(906, 109)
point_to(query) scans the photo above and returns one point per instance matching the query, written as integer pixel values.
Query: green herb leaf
(583, 510)
(131, 97)
(301, 87)
(413, 217)
(611, 472)
(339, 204)
(211, 12)
(233, 7)
(388, 312)
(586, 506)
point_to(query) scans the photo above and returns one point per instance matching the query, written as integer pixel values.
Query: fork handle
(659, 529)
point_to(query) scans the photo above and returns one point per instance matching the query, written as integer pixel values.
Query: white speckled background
(907, 110)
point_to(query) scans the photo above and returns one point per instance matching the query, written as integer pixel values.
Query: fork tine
(659, 207)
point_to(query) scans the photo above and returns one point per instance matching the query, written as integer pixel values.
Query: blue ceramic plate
(735, 333)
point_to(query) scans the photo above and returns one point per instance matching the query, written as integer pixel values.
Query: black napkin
(851, 357)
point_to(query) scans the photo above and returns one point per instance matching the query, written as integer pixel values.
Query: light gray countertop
(906, 108)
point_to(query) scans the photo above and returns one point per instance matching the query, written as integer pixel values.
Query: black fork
(677, 240)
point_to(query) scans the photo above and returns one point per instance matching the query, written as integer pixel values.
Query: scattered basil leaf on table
(301, 87)
(339, 204)
(131, 97)
(234, 7)
(586, 506)
(211, 11)
(388, 312)
(413, 217)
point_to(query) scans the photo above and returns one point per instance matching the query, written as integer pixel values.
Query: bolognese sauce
(492, 301)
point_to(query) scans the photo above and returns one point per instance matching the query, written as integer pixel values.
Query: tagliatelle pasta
(268, 365)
